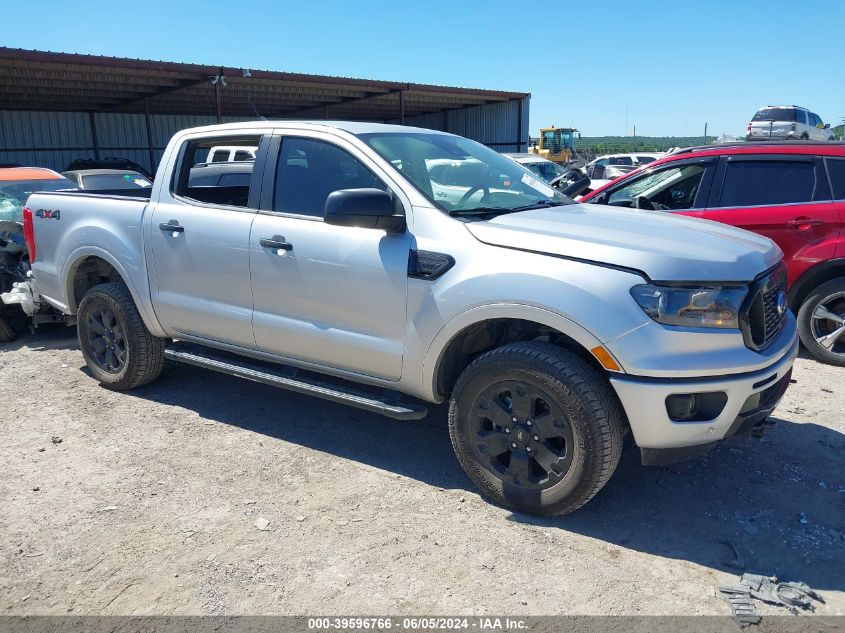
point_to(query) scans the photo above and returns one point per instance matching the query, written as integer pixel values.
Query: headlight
(715, 306)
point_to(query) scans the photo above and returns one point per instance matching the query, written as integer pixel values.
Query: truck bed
(105, 224)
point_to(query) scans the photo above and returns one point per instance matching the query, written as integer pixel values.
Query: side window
(670, 189)
(754, 183)
(219, 156)
(801, 117)
(199, 177)
(621, 160)
(243, 154)
(836, 171)
(309, 170)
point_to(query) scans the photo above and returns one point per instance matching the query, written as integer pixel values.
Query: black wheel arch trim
(810, 279)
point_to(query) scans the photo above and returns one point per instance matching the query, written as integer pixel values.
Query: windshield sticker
(538, 186)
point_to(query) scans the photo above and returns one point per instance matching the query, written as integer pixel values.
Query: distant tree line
(620, 144)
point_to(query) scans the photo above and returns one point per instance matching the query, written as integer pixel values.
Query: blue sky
(672, 65)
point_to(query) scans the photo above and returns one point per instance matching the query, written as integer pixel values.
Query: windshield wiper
(502, 210)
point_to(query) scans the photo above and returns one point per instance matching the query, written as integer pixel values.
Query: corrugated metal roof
(40, 80)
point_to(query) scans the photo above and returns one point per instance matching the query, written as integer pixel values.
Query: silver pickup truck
(385, 267)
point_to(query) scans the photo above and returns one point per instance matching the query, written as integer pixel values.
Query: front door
(327, 295)
(784, 197)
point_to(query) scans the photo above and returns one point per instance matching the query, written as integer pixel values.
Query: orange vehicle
(16, 183)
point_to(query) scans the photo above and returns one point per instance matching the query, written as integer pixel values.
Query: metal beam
(93, 125)
(150, 150)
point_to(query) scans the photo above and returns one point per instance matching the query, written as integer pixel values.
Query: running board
(284, 377)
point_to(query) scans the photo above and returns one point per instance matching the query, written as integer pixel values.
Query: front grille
(762, 320)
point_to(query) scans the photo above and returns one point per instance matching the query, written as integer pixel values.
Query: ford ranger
(385, 267)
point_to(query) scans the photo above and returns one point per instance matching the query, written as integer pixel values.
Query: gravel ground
(151, 502)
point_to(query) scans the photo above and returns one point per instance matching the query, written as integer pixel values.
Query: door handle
(276, 244)
(172, 227)
(804, 224)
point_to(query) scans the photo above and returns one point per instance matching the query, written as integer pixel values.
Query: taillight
(29, 233)
(748, 129)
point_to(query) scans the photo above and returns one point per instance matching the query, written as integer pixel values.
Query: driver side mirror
(365, 208)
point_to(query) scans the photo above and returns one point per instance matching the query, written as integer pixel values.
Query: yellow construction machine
(555, 144)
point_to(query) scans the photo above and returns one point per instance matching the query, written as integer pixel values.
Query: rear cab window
(203, 178)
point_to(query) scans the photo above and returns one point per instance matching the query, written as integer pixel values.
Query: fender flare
(141, 297)
(526, 312)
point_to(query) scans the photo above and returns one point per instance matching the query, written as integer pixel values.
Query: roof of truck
(353, 127)
(28, 173)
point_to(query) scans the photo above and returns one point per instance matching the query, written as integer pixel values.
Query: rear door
(199, 247)
(784, 197)
(324, 294)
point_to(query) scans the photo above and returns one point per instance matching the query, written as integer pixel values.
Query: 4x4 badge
(48, 214)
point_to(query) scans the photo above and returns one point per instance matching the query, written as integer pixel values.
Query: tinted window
(621, 160)
(775, 114)
(309, 170)
(801, 117)
(201, 181)
(670, 189)
(242, 154)
(645, 160)
(836, 169)
(749, 183)
(219, 156)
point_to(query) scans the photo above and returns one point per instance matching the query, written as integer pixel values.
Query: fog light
(696, 407)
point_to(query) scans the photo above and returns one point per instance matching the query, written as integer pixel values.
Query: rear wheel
(7, 333)
(536, 428)
(821, 322)
(118, 348)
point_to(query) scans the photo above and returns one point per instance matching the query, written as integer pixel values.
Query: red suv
(793, 193)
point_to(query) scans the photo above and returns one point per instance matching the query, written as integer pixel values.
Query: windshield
(461, 176)
(775, 114)
(13, 195)
(20, 189)
(115, 181)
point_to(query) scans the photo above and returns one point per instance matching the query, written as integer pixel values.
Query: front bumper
(751, 397)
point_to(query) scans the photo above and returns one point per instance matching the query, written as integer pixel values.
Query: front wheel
(118, 348)
(821, 322)
(536, 428)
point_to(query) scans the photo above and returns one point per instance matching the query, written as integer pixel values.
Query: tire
(830, 296)
(805, 137)
(7, 334)
(576, 416)
(117, 346)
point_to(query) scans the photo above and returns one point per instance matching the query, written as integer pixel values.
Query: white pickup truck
(384, 267)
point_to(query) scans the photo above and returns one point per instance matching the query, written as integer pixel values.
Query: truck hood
(664, 246)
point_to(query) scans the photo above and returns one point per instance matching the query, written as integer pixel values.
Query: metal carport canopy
(40, 80)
